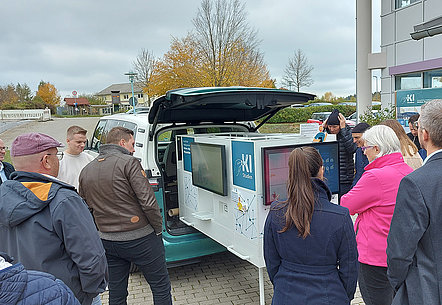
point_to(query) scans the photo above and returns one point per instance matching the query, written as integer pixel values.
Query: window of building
(403, 3)
(409, 81)
(126, 96)
(140, 95)
(433, 79)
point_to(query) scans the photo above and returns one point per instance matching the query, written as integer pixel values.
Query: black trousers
(374, 285)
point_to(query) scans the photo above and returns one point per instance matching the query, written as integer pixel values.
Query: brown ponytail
(304, 163)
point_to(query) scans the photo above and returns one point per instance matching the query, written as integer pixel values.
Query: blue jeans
(148, 254)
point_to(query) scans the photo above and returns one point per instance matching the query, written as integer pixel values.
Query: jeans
(148, 254)
(374, 285)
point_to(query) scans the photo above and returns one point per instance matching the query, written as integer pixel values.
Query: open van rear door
(222, 104)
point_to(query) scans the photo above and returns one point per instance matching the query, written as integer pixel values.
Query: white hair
(430, 119)
(384, 138)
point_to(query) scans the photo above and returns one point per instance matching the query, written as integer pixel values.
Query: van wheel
(133, 268)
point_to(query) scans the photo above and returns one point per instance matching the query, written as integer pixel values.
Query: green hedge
(299, 115)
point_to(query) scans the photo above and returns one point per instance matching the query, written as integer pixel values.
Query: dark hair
(304, 163)
(413, 118)
(117, 133)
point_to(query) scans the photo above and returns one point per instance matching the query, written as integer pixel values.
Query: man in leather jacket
(127, 215)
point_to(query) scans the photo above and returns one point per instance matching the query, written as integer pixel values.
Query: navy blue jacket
(8, 168)
(320, 269)
(21, 287)
(46, 226)
(361, 162)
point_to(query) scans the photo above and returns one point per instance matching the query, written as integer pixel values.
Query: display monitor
(209, 167)
(276, 169)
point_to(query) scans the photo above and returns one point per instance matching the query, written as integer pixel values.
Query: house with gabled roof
(118, 95)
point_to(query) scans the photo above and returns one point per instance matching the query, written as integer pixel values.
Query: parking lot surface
(222, 278)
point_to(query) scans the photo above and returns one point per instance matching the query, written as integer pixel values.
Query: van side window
(98, 134)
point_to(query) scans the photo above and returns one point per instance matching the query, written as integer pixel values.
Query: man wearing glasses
(45, 224)
(413, 134)
(5, 168)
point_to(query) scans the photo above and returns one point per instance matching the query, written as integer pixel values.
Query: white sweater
(71, 166)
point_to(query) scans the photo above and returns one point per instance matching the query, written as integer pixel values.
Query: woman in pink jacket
(373, 198)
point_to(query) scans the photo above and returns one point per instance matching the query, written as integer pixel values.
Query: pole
(261, 286)
(132, 85)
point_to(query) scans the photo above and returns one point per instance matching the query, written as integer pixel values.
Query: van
(184, 112)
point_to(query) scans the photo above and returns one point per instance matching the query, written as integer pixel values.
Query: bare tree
(144, 66)
(225, 40)
(298, 72)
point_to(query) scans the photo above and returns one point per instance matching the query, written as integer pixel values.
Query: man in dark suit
(5, 168)
(414, 251)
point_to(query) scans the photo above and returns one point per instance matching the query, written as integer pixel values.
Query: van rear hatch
(222, 104)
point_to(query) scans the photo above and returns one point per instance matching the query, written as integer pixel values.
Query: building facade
(118, 96)
(411, 54)
(411, 38)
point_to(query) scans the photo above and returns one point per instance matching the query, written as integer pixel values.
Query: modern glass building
(411, 53)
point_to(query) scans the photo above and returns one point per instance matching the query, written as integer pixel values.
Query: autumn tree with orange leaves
(222, 51)
(48, 93)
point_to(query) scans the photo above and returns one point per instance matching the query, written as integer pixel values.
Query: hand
(324, 124)
(341, 121)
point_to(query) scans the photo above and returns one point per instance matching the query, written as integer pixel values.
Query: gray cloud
(88, 45)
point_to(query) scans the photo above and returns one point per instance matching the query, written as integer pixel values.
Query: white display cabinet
(226, 183)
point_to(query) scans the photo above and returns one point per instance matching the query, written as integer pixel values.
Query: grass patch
(280, 128)
(8, 157)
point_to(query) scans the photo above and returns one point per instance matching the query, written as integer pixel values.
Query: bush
(375, 118)
(301, 115)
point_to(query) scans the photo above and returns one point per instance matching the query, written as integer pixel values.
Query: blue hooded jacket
(46, 226)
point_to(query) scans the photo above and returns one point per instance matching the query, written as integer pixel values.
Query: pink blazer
(373, 198)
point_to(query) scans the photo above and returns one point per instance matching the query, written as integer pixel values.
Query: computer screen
(276, 168)
(209, 167)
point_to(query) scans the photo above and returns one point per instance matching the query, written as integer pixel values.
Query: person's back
(317, 268)
(19, 286)
(44, 223)
(414, 251)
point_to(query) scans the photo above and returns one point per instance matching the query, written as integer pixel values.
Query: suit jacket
(414, 251)
(8, 170)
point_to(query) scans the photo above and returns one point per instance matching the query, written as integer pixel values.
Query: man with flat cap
(45, 224)
(335, 124)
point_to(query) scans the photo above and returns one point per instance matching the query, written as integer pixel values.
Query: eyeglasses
(59, 155)
(3, 148)
(364, 148)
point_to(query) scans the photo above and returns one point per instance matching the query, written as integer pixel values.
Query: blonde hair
(407, 146)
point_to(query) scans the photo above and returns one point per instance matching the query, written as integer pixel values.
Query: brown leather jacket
(117, 190)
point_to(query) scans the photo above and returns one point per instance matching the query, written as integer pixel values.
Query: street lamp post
(131, 78)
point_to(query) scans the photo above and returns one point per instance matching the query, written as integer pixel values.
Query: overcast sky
(88, 45)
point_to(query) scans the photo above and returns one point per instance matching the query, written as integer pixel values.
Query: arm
(363, 195)
(347, 140)
(348, 258)
(74, 225)
(271, 255)
(145, 194)
(409, 222)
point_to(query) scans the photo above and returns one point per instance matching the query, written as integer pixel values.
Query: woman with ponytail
(309, 242)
